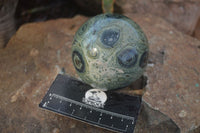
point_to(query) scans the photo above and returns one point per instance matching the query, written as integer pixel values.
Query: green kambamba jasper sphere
(110, 51)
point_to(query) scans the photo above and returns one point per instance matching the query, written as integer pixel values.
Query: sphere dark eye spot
(144, 59)
(110, 37)
(127, 58)
(78, 61)
(82, 29)
(74, 42)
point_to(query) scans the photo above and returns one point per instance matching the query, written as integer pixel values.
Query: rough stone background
(39, 51)
(182, 14)
(7, 21)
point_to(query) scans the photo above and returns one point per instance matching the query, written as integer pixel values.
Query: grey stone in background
(153, 121)
(183, 14)
(7, 21)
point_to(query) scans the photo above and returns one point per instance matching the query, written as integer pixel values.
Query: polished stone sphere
(110, 51)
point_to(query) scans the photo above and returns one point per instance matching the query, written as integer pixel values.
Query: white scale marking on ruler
(117, 129)
(44, 105)
(99, 120)
(73, 112)
(93, 108)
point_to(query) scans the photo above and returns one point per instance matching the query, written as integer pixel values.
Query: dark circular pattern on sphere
(83, 28)
(128, 57)
(144, 59)
(109, 51)
(78, 61)
(110, 37)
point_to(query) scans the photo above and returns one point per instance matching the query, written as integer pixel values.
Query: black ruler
(70, 97)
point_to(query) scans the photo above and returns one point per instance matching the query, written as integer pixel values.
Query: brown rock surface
(173, 73)
(39, 51)
(197, 30)
(183, 14)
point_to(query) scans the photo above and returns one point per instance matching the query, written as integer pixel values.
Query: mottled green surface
(110, 51)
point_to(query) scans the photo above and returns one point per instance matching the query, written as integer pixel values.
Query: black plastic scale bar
(66, 95)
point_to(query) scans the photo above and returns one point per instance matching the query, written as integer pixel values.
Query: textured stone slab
(173, 73)
(39, 51)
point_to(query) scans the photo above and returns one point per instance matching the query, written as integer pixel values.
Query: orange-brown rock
(173, 73)
(39, 51)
